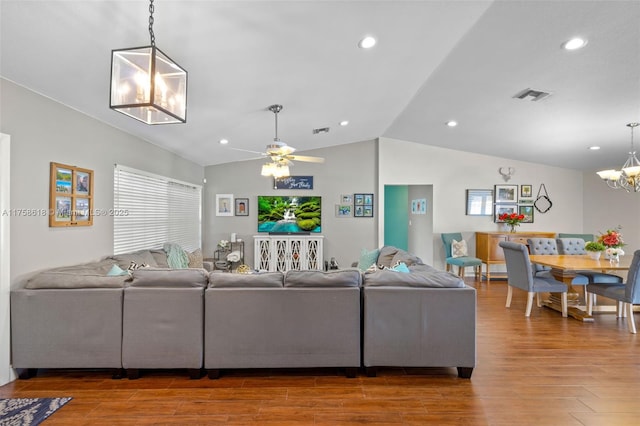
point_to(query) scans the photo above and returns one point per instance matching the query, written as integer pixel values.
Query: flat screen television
(289, 214)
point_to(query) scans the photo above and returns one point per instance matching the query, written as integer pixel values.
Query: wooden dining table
(565, 267)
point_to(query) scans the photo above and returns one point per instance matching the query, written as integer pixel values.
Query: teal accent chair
(627, 294)
(520, 275)
(460, 262)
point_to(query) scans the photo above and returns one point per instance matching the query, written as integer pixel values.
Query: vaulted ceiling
(435, 60)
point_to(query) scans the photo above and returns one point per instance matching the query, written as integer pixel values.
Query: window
(150, 210)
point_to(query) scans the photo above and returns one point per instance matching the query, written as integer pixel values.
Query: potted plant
(595, 249)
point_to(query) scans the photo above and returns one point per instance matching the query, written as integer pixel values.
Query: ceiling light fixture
(344, 123)
(224, 141)
(367, 43)
(452, 123)
(148, 85)
(594, 148)
(628, 177)
(574, 44)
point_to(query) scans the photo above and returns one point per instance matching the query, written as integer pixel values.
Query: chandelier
(275, 169)
(147, 85)
(628, 177)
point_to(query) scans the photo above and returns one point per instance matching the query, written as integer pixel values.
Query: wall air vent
(532, 95)
(321, 130)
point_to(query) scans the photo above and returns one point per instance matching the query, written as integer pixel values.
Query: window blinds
(150, 210)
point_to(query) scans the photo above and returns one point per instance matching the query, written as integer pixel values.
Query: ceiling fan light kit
(148, 85)
(628, 177)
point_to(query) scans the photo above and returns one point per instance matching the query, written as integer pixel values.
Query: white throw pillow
(459, 249)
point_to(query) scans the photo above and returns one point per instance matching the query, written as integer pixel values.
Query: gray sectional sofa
(157, 318)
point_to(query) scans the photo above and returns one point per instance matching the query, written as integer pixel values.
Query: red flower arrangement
(513, 219)
(612, 238)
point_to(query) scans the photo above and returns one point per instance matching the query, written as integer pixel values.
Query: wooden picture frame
(70, 195)
(224, 205)
(241, 207)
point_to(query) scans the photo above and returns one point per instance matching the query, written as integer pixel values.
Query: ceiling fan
(280, 153)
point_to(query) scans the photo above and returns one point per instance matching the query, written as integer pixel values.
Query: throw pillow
(116, 271)
(367, 258)
(459, 249)
(400, 267)
(195, 259)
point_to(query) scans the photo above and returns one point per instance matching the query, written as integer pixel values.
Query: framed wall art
(526, 191)
(242, 207)
(70, 196)
(527, 211)
(224, 204)
(505, 193)
(501, 209)
(363, 205)
(344, 210)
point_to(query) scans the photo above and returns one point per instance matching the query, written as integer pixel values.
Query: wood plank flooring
(542, 370)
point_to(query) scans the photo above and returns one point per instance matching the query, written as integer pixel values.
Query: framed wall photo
(224, 204)
(343, 210)
(363, 204)
(501, 209)
(479, 202)
(242, 207)
(505, 193)
(346, 199)
(70, 196)
(527, 211)
(526, 191)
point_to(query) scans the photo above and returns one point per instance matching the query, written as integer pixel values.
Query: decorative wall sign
(293, 182)
(70, 196)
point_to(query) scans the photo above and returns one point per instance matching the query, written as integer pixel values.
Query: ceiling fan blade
(247, 150)
(306, 158)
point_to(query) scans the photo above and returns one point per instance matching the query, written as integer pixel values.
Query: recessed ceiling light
(344, 122)
(223, 141)
(574, 44)
(594, 148)
(367, 43)
(452, 123)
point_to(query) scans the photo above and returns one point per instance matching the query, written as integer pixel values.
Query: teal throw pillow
(368, 258)
(401, 267)
(116, 271)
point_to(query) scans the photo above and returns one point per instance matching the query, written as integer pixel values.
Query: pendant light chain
(153, 37)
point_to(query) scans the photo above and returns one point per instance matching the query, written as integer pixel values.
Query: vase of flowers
(594, 249)
(511, 219)
(612, 240)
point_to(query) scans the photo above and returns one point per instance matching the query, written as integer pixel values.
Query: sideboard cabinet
(288, 252)
(488, 250)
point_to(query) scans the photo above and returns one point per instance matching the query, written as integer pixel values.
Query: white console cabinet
(286, 252)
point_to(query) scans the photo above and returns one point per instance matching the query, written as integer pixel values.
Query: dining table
(565, 267)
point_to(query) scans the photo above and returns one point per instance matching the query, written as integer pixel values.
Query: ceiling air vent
(321, 130)
(532, 94)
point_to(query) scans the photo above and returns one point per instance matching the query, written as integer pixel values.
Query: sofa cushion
(139, 257)
(261, 279)
(86, 275)
(335, 278)
(408, 259)
(420, 276)
(367, 258)
(151, 277)
(115, 271)
(160, 256)
(386, 255)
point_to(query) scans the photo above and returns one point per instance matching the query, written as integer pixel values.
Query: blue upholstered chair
(628, 294)
(584, 237)
(460, 261)
(575, 246)
(520, 275)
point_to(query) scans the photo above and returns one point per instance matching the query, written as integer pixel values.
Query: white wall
(452, 172)
(44, 131)
(347, 169)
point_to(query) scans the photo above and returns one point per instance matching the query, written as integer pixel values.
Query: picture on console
(289, 214)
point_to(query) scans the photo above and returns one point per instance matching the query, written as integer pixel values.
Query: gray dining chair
(520, 275)
(628, 293)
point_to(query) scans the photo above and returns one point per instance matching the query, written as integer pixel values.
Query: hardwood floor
(542, 370)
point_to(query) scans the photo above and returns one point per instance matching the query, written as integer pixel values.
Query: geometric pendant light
(147, 85)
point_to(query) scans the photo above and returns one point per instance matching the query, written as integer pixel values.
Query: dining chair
(575, 246)
(458, 255)
(520, 275)
(628, 293)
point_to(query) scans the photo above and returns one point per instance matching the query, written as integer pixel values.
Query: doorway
(408, 219)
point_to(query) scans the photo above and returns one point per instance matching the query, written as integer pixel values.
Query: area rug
(28, 411)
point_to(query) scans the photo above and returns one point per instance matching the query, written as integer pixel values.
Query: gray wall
(43, 131)
(421, 226)
(347, 169)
